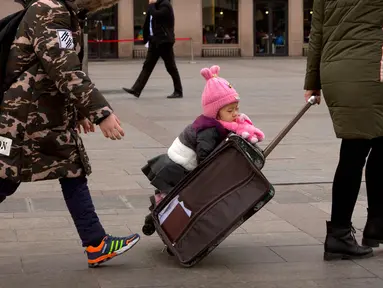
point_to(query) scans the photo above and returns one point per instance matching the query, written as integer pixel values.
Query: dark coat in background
(162, 23)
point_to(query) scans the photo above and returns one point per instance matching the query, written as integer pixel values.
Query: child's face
(229, 112)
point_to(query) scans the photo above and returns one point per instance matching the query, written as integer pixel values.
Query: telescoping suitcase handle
(312, 101)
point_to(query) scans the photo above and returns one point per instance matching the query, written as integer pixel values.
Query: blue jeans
(79, 202)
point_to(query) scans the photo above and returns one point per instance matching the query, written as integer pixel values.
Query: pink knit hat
(217, 93)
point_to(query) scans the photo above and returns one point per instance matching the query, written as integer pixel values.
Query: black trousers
(348, 177)
(165, 51)
(79, 203)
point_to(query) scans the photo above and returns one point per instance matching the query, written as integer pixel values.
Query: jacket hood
(94, 5)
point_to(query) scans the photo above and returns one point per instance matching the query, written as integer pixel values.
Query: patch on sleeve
(65, 39)
(5, 146)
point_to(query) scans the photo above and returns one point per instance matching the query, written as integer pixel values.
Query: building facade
(203, 28)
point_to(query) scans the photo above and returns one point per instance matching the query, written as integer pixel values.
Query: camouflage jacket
(38, 140)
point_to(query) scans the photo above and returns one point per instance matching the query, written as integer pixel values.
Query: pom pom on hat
(211, 72)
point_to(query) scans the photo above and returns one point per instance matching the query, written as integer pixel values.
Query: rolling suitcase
(216, 197)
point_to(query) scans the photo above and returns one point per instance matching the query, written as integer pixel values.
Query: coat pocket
(82, 153)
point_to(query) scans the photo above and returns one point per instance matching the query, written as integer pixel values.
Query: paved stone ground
(280, 247)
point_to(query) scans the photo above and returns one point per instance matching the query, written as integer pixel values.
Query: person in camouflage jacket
(39, 114)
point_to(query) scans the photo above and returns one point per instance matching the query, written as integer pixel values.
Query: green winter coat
(345, 61)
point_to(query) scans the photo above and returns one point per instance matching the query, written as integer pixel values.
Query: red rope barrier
(129, 40)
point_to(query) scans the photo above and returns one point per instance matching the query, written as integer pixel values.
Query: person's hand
(152, 1)
(111, 128)
(310, 93)
(86, 125)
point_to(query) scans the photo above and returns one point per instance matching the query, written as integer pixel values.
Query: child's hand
(86, 125)
(111, 128)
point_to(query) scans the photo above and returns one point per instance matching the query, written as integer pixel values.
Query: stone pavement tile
(54, 263)
(260, 227)
(374, 264)
(142, 181)
(263, 215)
(350, 283)
(138, 201)
(20, 223)
(7, 235)
(134, 170)
(64, 213)
(284, 176)
(64, 279)
(42, 214)
(294, 211)
(43, 235)
(359, 222)
(312, 253)
(13, 205)
(270, 272)
(45, 186)
(49, 204)
(359, 210)
(315, 227)
(290, 197)
(149, 153)
(237, 255)
(108, 202)
(210, 285)
(300, 188)
(40, 248)
(104, 184)
(269, 239)
(10, 265)
(126, 276)
(121, 230)
(141, 212)
(241, 284)
(123, 219)
(6, 215)
(128, 192)
(320, 195)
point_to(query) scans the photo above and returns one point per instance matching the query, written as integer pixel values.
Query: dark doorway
(271, 28)
(103, 26)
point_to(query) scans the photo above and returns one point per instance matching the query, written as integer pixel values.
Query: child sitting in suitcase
(199, 139)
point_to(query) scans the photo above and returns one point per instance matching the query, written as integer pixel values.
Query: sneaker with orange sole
(109, 248)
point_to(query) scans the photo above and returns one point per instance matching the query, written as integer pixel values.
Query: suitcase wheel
(148, 229)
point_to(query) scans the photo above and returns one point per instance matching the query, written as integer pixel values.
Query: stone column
(295, 24)
(188, 23)
(246, 27)
(125, 28)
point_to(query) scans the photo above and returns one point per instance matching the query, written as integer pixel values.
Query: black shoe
(175, 95)
(131, 91)
(341, 244)
(148, 228)
(373, 231)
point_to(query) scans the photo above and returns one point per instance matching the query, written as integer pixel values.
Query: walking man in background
(159, 35)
